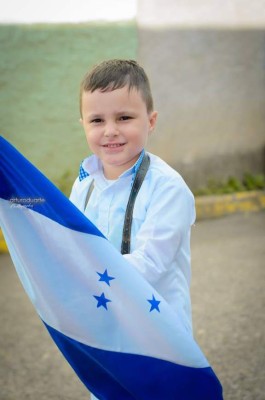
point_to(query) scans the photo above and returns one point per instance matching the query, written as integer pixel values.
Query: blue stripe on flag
(122, 376)
(23, 184)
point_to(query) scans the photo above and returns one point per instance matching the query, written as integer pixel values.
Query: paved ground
(228, 307)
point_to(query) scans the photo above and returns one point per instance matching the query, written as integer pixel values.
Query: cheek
(87, 135)
(91, 136)
(92, 144)
(138, 133)
(90, 141)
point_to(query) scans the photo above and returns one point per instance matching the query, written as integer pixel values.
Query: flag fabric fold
(120, 336)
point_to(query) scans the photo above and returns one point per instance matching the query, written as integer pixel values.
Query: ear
(152, 120)
(81, 121)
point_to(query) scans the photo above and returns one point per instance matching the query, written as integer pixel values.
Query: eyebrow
(123, 112)
(126, 112)
(93, 116)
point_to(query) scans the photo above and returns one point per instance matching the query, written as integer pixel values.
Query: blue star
(105, 277)
(154, 304)
(102, 301)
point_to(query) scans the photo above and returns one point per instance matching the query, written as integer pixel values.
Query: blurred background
(205, 61)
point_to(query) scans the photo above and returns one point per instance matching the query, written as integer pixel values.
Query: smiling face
(117, 126)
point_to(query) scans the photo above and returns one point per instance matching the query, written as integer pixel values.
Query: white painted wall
(212, 13)
(202, 13)
(60, 11)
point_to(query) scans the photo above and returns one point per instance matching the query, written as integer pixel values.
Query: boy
(117, 115)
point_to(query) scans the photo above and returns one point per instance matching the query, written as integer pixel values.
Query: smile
(113, 145)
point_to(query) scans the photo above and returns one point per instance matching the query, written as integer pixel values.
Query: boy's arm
(165, 231)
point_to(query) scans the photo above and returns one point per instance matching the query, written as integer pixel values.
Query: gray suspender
(89, 192)
(137, 183)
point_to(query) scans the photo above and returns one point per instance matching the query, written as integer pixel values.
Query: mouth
(113, 145)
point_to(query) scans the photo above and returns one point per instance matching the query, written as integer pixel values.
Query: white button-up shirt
(162, 217)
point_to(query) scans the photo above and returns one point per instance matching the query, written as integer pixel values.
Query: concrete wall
(208, 86)
(206, 63)
(41, 67)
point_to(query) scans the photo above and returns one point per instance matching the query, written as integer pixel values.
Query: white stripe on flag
(62, 265)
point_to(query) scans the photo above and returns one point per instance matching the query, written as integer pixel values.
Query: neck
(111, 175)
(114, 171)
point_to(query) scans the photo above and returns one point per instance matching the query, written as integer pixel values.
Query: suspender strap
(137, 183)
(89, 192)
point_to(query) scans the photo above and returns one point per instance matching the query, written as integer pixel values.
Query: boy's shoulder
(165, 186)
(163, 171)
(161, 177)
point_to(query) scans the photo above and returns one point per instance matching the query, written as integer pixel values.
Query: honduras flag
(119, 335)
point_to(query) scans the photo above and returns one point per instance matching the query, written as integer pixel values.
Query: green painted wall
(41, 67)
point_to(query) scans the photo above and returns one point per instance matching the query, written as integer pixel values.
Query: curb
(217, 206)
(3, 246)
(208, 207)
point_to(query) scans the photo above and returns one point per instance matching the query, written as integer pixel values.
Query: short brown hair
(115, 74)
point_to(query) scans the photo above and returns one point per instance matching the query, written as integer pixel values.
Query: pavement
(228, 300)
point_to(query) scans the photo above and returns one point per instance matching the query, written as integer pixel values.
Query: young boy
(117, 115)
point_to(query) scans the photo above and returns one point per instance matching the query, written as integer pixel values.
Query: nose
(111, 129)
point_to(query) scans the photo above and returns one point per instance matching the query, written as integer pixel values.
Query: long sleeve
(165, 230)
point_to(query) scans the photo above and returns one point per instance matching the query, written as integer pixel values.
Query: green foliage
(232, 185)
(256, 182)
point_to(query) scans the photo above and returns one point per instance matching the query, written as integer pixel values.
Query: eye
(96, 121)
(125, 117)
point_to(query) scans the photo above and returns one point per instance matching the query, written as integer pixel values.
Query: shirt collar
(89, 166)
(92, 164)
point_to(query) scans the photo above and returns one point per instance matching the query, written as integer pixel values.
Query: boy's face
(117, 126)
